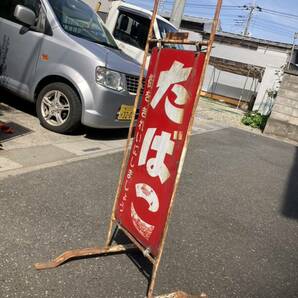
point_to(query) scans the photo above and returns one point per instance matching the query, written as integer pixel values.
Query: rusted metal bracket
(177, 35)
(146, 252)
(182, 42)
(180, 294)
(178, 38)
(85, 252)
(5, 129)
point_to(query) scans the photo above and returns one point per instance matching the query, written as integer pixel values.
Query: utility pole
(161, 6)
(177, 13)
(252, 9)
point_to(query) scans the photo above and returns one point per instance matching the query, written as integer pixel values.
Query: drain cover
(17, 131)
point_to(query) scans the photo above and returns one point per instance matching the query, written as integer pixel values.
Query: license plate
(125, 113)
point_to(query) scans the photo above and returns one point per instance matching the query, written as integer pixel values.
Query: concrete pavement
(233, 232)
(32, 146)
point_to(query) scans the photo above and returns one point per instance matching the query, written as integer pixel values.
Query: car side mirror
(25, 15)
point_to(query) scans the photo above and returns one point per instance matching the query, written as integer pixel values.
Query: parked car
(130, 24)
(59, 55)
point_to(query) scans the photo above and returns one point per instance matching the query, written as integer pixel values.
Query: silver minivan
(58, 54)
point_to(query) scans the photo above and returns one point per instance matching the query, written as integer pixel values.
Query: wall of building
(259, 57)
(229, 85)
(232, 85)
(270, 83)
(284, 117)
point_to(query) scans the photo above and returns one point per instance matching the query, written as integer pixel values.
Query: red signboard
(168, 101)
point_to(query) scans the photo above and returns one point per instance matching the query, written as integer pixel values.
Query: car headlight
(110, 79)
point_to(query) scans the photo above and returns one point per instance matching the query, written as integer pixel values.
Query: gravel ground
(230, 116)
(224, 114)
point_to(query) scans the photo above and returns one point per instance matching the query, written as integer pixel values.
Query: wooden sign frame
(109, 248)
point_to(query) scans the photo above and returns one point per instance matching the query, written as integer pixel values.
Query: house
(243, 71)
(283, 121)
(246, 69)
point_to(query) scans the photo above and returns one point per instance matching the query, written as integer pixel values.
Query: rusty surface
(180, 294)
(85, 252)
(131, 128)
(138, 245)
(183, 36)
(5, 129)
(123, 248)
(207, 58)
(183, 42)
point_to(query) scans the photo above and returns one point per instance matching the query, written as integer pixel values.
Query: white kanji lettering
(143, 228)
(176, 74)
(147, 96)
(151, 81)
(129, 174)
(141, 125)
(144, 112)
(147, 193)
(176, 114)
(163, 145)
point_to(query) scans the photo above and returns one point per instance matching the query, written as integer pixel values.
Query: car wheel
(59, 108)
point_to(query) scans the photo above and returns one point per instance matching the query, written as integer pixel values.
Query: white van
(129, 24)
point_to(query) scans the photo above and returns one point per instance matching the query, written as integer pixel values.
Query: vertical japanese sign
(168, 101)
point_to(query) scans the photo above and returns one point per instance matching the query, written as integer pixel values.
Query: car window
(78, 19)
(132, 29)
(165, 28)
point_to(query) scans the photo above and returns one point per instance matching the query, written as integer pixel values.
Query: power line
(224, 7)
(246, 16)
(251, 10)
(275, 24)
(285, 14)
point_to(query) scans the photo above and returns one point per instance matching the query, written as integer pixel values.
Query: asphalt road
(233, 233)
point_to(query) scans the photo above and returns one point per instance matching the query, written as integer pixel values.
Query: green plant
(255, 120)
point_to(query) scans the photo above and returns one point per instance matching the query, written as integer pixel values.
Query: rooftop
(220, 36)
(187, 18)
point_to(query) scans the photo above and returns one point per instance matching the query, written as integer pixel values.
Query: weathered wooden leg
(153, 278)
(111, 234)
(180, 294)
(86, 252)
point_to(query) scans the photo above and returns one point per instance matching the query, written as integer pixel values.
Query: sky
(268, 24)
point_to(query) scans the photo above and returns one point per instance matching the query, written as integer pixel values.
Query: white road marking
(7, 164)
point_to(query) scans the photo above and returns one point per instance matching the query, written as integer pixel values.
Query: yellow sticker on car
(125, 113)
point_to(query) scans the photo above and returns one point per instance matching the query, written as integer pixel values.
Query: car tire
(59, 108)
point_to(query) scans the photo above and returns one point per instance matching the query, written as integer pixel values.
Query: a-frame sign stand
(109, 248)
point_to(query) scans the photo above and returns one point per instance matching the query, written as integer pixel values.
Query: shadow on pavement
(290, 205)
(17, 103)
(105, 134)
(142, 263)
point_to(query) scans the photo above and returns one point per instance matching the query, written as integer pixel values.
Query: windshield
(78, 19)
(165, 28)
